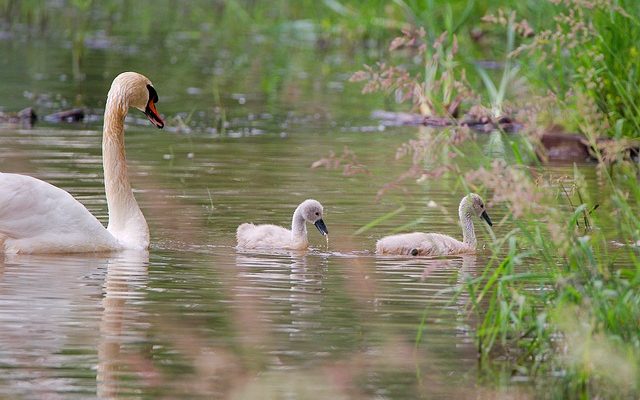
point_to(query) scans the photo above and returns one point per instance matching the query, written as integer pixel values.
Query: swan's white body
(436, 244)
(250, 236)
(37, 217)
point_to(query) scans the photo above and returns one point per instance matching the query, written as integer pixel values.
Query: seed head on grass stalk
(591, 47)
(441, 87)
(509, 185)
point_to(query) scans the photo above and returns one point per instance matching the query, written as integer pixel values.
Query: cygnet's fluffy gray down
(421, 244)
(267, 236)
(436, 244)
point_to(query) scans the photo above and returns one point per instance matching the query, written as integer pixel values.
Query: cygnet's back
(252, 236)
(421, 244)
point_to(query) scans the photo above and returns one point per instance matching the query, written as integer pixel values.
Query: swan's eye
(317, 213)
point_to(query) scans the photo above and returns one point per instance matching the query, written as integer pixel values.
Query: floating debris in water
(194, 91)
(240, 98)
(25, 117)
(72, 115)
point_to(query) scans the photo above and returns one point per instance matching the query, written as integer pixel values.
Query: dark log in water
(556, 144)
(479, 124)
(24, 117)
(562, 146)
(72, 115)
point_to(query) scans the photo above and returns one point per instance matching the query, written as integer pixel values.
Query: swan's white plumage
(37, 217)
(437, 244)
(269, 236)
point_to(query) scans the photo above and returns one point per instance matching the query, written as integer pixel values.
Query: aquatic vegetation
(509, 70)
(558, 290)
(591, 47)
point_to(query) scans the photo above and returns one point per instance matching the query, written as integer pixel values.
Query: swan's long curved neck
(468, 233)
(298, 227)
(126, 221)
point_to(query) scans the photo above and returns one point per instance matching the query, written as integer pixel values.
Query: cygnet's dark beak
(321, 227)
(485, 216)
(151, 111)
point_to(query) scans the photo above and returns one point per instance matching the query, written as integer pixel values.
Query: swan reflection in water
(437, 286)
(271, 285)
(52, 308)
(124, 286)
(443, 280)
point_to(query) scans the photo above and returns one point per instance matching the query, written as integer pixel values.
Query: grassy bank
(561, 295)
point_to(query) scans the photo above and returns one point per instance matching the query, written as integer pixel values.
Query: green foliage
(593, 49)
(509, 72)
(561, 294)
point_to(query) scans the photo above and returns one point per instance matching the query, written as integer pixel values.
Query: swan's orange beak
(152, 114)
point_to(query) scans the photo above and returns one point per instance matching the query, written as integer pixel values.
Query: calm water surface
(194, 317)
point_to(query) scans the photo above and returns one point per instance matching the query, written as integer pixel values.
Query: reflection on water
(53, 320)
(307, 325)
(124, 286)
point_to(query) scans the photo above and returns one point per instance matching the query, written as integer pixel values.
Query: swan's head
(475, 204)
(137, 91)
(311, 211)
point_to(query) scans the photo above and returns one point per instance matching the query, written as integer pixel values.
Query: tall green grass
(560, 298)
(593, 49)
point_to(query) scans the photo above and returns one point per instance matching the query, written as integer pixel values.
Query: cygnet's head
(475, 204)
(138, 92)
(311, 211)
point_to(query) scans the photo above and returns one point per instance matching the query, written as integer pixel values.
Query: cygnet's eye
(317, 213)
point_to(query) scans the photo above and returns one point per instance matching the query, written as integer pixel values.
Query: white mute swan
(252, 236)
(436, 244)
(37, 217)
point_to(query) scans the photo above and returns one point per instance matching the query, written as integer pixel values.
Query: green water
(196, 318)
